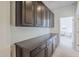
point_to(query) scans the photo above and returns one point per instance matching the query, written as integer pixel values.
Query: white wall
(77, 27)
(24, 33)
(4, 29)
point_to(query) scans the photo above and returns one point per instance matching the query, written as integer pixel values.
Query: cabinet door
(38, 14)
(38, 51)
(47, 17)
(55, 42)
(28, 13)
(41, 53)
(50, 47)
(43, 15)
(18, 51)
(51, 19)
(18, 13)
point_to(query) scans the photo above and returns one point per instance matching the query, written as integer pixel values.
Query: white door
(66, 31)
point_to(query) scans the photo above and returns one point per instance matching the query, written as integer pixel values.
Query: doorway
(66, 31)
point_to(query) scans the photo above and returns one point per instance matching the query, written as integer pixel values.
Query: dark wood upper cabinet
(33, 14)
(38, 14)
(25, 13)
(47, 17)
(28, 13)
(51, 19)
(18, 13)
(44, 23)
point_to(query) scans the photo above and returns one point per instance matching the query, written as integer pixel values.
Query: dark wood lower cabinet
(37, 47)
(41, 53)
(18, 51)
(50, 47)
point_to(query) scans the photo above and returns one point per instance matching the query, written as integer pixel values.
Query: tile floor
(62, 51)
(65, 50)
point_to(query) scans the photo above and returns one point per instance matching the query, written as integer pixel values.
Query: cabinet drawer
(35, 51)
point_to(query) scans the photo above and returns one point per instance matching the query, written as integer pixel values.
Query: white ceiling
(57, 4)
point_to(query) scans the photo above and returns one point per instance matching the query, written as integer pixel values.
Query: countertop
(33, 42)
